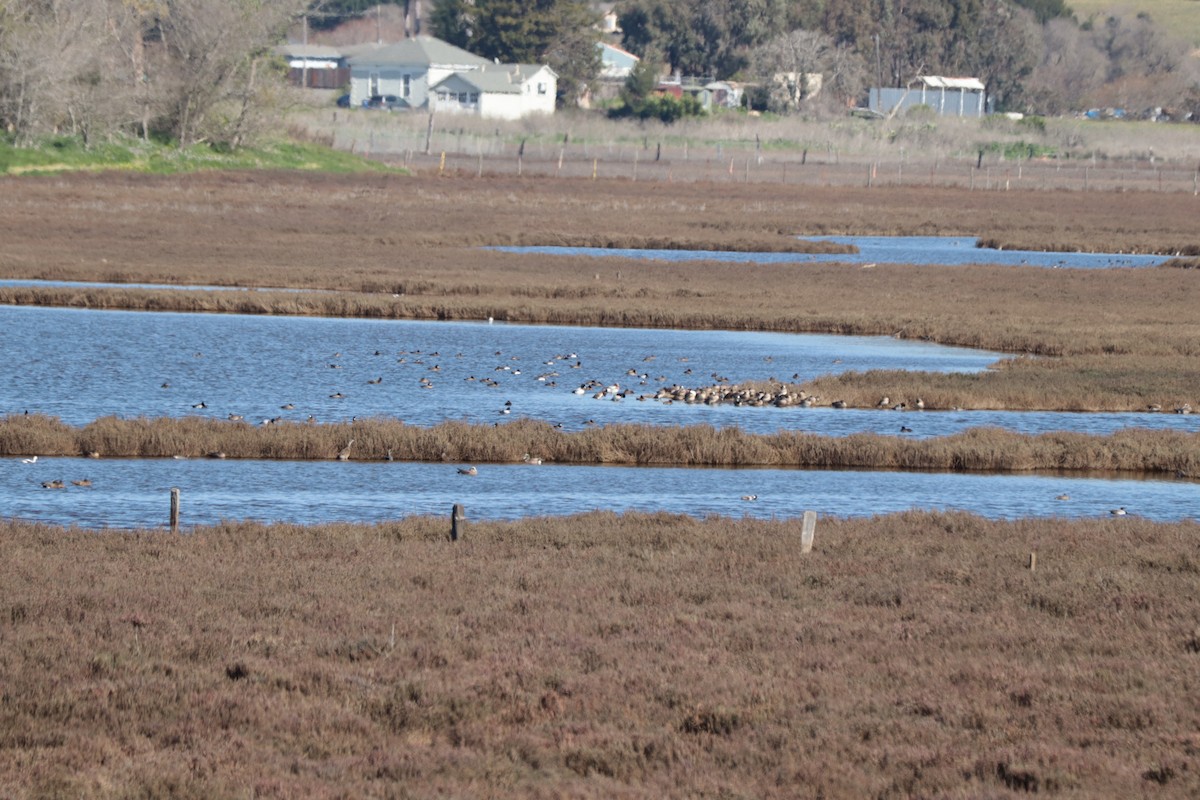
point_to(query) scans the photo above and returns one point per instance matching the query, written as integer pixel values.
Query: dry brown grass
(603, 656)
(1134, 450)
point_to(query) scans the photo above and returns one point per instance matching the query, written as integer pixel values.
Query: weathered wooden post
(458, 519)
(1033, 561)
(175, 510)
(808, 531)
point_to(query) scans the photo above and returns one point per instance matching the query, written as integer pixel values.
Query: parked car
(344, 101)
(387, 102)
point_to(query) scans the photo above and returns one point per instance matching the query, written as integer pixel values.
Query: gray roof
(308, 51)
(495, 78)
(420, 51)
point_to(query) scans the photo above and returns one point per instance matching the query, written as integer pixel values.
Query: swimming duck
(468, 471)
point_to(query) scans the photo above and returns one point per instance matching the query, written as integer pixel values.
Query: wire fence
(464, 153)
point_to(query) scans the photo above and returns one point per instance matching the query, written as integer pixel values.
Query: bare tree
(798, 65)
(215, 55)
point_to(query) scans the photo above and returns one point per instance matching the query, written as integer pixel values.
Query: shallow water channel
(81, 365)
(133, 493)
(917, 250)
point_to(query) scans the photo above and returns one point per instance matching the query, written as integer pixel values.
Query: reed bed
(604, 655)
(981, 449)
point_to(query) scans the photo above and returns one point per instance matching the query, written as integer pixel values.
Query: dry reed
(982, 449)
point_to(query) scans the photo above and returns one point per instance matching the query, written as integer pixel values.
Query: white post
(808, 532)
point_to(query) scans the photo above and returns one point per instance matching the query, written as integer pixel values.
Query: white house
(428, 73)
(497, 91)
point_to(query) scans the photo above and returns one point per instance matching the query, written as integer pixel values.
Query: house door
(373, 85)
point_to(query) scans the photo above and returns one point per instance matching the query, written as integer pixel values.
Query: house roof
(496, 78)
(308, 51)
(420, 51)
(614, 54)
(940, 82)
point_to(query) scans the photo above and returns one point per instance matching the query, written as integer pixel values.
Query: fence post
(175, 510)
(457, 518)
(808, 532)
(1033, 561)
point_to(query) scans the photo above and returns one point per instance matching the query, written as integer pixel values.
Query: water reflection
(135, 493)
(942, 250)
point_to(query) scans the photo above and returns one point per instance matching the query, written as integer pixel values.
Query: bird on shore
(468, 471)
(344, 453)
(29, 460)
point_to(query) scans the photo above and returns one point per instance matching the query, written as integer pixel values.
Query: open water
(81, 365)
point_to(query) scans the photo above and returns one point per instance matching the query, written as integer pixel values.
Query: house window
(474, 98)
(443, 96)
(541, 88)
(406, 86)
(373, 84)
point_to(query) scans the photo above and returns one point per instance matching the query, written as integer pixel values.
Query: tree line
(1032, 54)
(202, 70)
(184, 70)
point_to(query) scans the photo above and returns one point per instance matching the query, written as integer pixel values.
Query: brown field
(981, 449)
(603, 656)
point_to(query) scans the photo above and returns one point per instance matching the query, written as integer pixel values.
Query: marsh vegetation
(604, 655)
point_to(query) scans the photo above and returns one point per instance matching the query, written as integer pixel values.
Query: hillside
(1180, 16)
